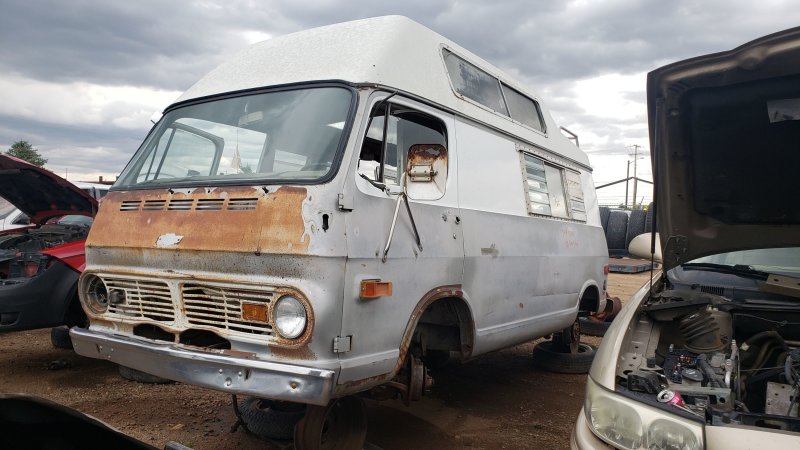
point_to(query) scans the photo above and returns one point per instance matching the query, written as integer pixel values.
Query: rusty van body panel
(234, 250)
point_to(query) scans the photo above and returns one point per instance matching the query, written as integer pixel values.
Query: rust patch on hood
(229, 219)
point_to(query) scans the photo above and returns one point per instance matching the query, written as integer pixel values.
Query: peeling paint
(168, 240)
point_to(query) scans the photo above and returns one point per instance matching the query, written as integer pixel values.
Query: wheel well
(444, 326)
(590, 300)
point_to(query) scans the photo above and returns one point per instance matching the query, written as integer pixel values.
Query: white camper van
(329, 212)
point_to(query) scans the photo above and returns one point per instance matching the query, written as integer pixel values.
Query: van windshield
(275, 136)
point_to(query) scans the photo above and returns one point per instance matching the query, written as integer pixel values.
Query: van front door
(395, 131)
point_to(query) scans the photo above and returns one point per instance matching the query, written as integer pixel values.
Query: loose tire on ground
(141, 377)
(604, 213)
(546, 358)
(342, 424)
(59, 337)
(617, 228)
(591, 327)
(635, 225)
(271, 419)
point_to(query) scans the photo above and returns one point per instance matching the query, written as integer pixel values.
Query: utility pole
(627, 180)
(635, 180)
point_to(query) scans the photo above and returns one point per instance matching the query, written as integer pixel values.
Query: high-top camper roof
(390, 51)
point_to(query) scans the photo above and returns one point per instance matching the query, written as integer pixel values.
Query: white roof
(391, 51)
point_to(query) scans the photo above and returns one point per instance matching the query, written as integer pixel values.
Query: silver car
(707, 355)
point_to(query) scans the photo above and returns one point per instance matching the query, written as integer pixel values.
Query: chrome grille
(222, 307)
(148, 299)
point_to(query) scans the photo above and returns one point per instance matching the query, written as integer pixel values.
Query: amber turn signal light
(376, 288)
(255, 312)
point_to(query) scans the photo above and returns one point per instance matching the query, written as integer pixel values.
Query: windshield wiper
(738, 269)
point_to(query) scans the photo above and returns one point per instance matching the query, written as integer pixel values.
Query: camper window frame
(502, 85)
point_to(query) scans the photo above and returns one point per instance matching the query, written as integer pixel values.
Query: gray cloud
(89, 149)
(169, 45)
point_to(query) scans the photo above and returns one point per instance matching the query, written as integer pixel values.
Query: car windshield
(6, 208)
(75, 220)
(275, 136)
(772, 260)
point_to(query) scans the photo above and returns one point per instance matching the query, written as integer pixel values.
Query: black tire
(270, 419)
(591, 327)
(343, 423)
(635, 225)
(604, 213)
(648, 219)
(617, 228)
(141, 377)
(59, 337)
(546, 358)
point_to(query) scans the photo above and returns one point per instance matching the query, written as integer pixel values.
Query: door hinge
(341, 344)
(345, 202)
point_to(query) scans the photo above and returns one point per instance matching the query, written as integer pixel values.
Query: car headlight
(632, 425)
(290, 317)
(95, 294)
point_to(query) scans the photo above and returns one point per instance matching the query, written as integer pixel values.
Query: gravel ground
(496, 401)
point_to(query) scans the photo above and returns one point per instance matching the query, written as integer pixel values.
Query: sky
(80, 80)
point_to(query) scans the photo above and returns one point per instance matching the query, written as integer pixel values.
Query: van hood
(41, 194)
(725, 140)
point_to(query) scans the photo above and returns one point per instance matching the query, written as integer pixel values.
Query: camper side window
(552, 190)
(393, 129)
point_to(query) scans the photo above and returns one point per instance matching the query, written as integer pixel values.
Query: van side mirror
(426, 171)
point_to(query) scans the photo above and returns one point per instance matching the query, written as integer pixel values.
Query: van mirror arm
(402, 197)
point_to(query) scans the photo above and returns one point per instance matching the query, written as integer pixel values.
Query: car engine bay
(20, 252)
(717, 354)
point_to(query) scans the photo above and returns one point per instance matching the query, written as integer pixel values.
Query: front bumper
(582, 437)
(213, 369)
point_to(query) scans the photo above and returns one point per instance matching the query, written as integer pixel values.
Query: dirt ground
(496, 401)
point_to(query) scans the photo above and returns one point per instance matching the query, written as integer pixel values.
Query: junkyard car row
(331, 213)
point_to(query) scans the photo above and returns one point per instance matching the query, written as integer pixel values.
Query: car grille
(222, 307)
(190, 304)
(147, 299)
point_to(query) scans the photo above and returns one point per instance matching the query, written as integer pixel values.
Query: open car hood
(725, 134)
(41, 194)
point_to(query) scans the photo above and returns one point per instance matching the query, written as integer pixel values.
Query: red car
(40, 264)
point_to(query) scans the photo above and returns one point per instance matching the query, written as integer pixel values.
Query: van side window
(479, 86)
(523, 109)
(393, 129)
(552, 190)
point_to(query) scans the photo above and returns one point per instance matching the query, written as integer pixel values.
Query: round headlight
(95, 294)
(290, 317)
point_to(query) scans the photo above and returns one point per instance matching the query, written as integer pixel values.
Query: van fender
(453, 291)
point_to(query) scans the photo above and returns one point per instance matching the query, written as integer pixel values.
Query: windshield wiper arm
(737, 269)
(378, 185)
